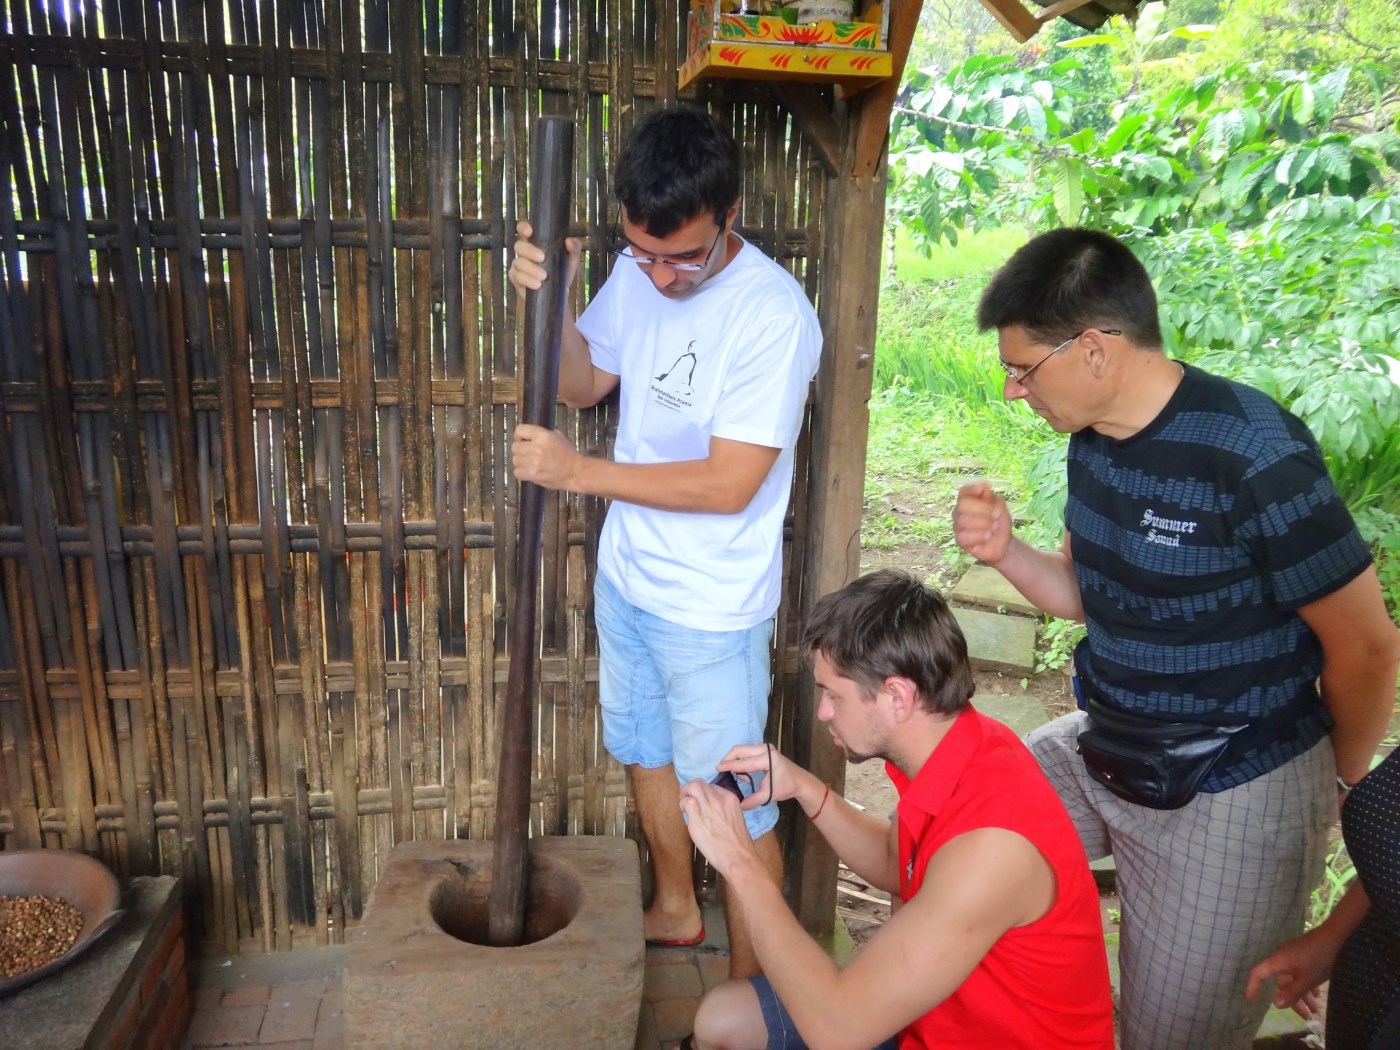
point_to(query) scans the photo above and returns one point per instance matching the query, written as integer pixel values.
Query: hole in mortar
(460, 902)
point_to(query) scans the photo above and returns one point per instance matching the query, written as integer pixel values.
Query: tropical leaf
(1334, 158)
(1092, 40)
(1328, 93)
(1069, 191)
(1126, 129)
(1035, 116)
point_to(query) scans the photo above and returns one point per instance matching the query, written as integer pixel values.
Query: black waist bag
(1148, 762)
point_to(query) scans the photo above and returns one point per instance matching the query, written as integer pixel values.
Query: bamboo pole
(552, 164)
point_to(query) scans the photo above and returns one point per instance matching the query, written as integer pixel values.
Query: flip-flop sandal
(679, 942)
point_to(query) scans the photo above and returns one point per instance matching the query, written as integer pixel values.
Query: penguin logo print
(674, 388)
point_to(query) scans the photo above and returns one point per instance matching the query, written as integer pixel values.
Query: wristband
(1342, 786)
(822, 806)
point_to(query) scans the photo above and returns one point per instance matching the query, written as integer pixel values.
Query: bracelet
(1342, 786)
(821, 807)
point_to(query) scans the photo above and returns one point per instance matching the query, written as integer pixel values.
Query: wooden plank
(1063, 7)
(1014, 18)
(283, 711)
(216, 321)
(872, 119)
(817, 122)
(352, 344)
(840, 420)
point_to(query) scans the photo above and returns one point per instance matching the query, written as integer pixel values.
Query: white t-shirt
(732, 360)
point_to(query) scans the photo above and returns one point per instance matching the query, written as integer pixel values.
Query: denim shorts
(673, 695)
(782, 1033)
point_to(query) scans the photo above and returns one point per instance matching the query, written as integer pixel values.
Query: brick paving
(288, 1000)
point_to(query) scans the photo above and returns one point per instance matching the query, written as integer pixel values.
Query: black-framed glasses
(623, 250)
(1017, 376)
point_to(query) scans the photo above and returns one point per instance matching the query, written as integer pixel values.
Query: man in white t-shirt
(714, 346)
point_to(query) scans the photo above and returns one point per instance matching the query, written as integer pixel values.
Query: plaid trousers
(1206, 891)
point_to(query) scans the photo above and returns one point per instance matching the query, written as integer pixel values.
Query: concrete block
(985, 588)
(1021, 713)
(419, 973)
(994, 640)
(1105, 871)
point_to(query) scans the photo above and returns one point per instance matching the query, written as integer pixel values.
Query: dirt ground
(898, 514)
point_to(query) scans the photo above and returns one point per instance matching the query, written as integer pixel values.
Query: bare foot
(682, 927)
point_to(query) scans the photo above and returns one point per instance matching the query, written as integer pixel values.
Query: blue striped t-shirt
(1195, 541)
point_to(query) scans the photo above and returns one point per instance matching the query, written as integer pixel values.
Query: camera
(730, 783)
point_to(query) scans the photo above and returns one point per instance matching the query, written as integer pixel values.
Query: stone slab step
(1105, 874)
(1001, 642)
(957, 479)
(985, 588)
(1021, 713)
(955, 465)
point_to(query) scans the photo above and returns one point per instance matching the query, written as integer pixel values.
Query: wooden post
(551, 168)
(840, 420)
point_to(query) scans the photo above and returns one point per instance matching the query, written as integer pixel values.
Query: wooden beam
(836, 486)
(816, 121)
(1019, 22)
(873, 116)
(1064, 7)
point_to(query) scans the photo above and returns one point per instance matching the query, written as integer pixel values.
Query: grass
(939, 390)
(938, 414)
(887, 531)
(976, 255)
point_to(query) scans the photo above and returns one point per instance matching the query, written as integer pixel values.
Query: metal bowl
(76, 878)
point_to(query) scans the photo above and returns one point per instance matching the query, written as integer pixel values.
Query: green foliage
(920, 264)
(1047, 485)
(1304, 34)
(1381, 530)
(1057, 641)
(1337, 874)
(1306, 307)
(993, 140)
(1262, 198)
(884, 531)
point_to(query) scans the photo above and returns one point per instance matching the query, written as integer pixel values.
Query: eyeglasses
(1017, 376)
(624, 251)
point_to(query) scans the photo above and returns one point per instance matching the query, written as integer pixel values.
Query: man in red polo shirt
(999, 944)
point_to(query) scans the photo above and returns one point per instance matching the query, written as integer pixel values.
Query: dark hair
(888, 623)
(1067, 280)
(677, 163)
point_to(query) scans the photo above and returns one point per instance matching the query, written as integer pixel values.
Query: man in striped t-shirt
(1228, 599)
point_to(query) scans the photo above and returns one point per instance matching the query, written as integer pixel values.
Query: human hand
(544, 457)
(716, 826)
(527, 270)
(982, 523)
(1299, 967)
(781, 778)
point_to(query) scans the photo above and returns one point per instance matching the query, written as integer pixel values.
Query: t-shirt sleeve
(765, 390)
(597, 325)
(1299, 529)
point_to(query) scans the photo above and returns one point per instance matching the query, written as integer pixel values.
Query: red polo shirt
(1043, 986)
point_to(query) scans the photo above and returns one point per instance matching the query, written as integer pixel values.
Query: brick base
(129, 991)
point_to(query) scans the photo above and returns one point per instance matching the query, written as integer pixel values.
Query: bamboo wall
(257, 380)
